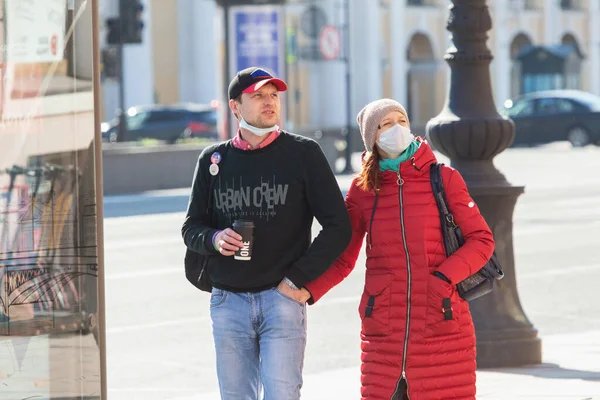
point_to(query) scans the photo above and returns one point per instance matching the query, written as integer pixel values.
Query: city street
(158, 327)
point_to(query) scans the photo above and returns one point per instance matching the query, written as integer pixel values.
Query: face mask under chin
(255, 130)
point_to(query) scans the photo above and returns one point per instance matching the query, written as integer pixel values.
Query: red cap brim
(279, 84)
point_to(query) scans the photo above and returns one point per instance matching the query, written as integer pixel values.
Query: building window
(571, 4)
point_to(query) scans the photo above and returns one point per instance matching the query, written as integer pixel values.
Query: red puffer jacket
(404, 331)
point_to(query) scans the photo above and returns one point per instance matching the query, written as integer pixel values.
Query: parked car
(555, 115)
(168, 123)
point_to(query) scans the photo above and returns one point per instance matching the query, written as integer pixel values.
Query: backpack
(195, 263)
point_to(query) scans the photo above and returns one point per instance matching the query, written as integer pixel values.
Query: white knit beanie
(371, 115)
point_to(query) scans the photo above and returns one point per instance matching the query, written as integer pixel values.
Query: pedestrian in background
(277, 182)
(417, 334)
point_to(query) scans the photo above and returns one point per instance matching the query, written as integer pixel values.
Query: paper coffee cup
(246, 230)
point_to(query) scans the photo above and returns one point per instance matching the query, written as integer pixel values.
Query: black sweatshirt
(280, 187)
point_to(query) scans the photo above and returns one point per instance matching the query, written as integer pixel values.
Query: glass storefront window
(49, 308)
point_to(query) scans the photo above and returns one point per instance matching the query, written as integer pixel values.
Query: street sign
(257, 38)
(312, 21)
(330, 42)
(34, 31)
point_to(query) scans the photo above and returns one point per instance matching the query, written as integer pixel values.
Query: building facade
(395, 49)
(176, 61)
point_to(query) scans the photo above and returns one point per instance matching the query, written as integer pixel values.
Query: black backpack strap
(453, 237)
(437, 185)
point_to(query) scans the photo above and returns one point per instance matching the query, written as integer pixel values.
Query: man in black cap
(279, 182)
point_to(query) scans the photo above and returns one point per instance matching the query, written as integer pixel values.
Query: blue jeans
(260, 340)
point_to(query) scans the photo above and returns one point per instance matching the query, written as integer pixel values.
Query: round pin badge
(215, 158)
(213, 169)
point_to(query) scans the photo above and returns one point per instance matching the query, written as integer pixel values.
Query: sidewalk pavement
(571, 370)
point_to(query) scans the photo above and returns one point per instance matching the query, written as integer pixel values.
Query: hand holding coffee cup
(246, 230)
(228, 242)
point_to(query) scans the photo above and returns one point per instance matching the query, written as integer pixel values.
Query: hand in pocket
(437, 323)
(440, 287)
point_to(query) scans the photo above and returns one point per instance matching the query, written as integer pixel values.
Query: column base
(509, 352)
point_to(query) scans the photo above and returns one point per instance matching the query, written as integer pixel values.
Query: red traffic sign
(330, 42)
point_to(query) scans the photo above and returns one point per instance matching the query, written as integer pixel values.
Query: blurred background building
(396, 50)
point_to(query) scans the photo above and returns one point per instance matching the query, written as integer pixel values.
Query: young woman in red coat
(411, 349)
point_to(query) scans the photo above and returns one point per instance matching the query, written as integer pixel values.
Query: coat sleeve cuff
(457, 270)
(209, 240)
(315, 292)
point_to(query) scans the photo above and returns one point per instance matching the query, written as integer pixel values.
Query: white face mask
(257, 131)
(254, 129)
(395, 140)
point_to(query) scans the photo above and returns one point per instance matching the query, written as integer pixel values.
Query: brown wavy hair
(368, 179)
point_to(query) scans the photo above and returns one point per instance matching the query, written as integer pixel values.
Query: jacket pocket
(442, 308)
(375, 305)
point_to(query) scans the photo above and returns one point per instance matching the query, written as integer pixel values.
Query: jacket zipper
(396, 393)
(403, 375)
(372, 218)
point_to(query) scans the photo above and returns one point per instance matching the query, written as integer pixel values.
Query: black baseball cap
(250, 80)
